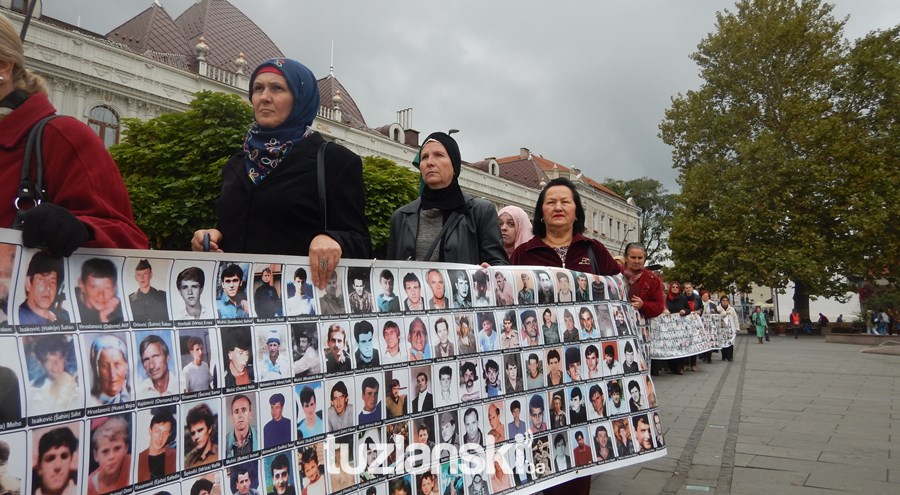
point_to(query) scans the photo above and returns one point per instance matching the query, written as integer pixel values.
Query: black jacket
(475, 239)
(281, 214)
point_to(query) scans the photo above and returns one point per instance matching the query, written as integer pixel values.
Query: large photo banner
(222, 374)
(674, 336)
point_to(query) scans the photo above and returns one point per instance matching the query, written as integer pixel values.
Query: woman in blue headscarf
(270, 199)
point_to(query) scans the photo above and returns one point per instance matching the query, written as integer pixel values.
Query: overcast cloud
(584, 83)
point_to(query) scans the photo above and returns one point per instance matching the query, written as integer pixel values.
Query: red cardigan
(79, 174)
(649, 288)
(535, 252)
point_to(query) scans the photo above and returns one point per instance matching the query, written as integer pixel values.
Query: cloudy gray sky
(582, 82)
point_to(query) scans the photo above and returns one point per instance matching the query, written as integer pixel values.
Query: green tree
(172, 165)
(656, 204)
(388, 186)
(764, 148)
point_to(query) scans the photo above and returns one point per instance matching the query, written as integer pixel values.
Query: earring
(1, 78)
(542, 220)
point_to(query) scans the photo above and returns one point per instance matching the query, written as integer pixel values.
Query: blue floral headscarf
(264, 148)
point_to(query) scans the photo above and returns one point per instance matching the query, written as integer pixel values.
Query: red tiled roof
(350, 113)
(530, 171)
(227, 32)
(153, 30)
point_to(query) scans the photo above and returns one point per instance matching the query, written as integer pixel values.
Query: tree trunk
(801, 299)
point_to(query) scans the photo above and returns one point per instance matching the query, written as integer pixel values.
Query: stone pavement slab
(788, 417)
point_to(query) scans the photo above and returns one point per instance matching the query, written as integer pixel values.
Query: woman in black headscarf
(445, 224)
(270, 195)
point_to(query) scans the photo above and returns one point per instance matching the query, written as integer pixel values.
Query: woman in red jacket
(85, 203)
(558, 241)
(644, 287)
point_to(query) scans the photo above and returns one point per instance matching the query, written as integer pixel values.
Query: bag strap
(31, 190)
(446, 228)
(593, 259)
(320, 175)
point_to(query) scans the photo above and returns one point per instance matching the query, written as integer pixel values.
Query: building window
(396, 136)
(105, 123)
(20, 6)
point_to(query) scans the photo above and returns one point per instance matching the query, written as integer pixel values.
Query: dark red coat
(650, 289)
(535, 252)
(79, 174)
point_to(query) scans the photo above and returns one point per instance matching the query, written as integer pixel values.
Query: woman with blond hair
(83, 201)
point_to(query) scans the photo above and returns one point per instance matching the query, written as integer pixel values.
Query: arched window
(396, 134)
(105, 123)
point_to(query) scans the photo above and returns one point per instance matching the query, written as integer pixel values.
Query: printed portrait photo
(360, 293)
(503, 287)
(570, 333)
(309, 405)
(483, 288)
(267, 283)
(384, 283)
(422, 395)
(596, 396)
(511, 369)
(446, 388)
(465, 333)
(341, 413)
(41, 295)
(603, 442)
(492, 379)
(368, 354)
(369, 441)
(615, 399)
(398, 436)
(56, 458)
(509, 329)
(97, 293)
(276, 413)
(300, 298)
(311, 468)
(582, 287)
(279, 474)
(241, 430)
(436, 292)
(369, 388)
(534, 369)
(461, 288)
(243, 478)
(469, 384)
(525, 287)
(546, 294)
(572, 356)
(413, 293)
(156, 441)
(562, 453)
(199, 360)
(201, 432)
(581, 448)
(590, 369)
(146, 281)
(108, 367)
(643, 434)
(393, 341)
(53, 374)
(565, 292)
(273, 353)
(495, 413)
(157, 376)
(338, 350)
(520, 464)
(396, 393)
(473, 425)
(331, 300)
(540, 455)
(559, 416)
(417, 337)
(487, 335)
(610, 360)
(604, 321)
(623, 437)
(530, 334)
(577, 405)
(443, 336)
(109, 464)
(189, 281)
(231, 290)
(305, 354)
(237, 356)
(554, 366)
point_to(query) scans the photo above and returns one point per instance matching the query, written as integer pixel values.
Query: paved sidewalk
(788, 417)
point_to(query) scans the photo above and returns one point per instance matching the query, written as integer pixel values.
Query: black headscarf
(449, 198)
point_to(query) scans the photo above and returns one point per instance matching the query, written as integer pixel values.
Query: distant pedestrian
(759, 322)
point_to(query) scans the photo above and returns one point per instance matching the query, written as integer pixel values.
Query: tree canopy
(787, 153)
(388, 186)
(172, 165)
(656, 204)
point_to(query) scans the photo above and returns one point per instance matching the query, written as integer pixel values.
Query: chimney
(524, 153)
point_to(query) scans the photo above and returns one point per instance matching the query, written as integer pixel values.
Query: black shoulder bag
(31, 190)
